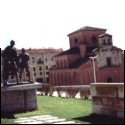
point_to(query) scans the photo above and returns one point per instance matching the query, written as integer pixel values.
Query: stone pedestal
(108, 99)
(19, 98)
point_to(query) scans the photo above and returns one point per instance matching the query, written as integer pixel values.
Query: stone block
(106, 111)
(32, 105)
(108, 99)
(19, 99)
(97, 109)
(121, 92)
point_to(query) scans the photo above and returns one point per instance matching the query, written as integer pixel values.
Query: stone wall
(108, 99)
(111, 52)
(18, 98)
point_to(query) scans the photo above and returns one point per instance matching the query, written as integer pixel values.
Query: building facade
(74, 66)
(40, 63)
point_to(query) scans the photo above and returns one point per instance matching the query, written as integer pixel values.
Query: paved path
(43, 119)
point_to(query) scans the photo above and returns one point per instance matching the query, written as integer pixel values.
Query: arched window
(109, 62)
(76, 40)
(94, 39)
(57, 64)
(65, 63)
(104, 42)
(40, 68)
(109, 41)
(109, 80)
(61, 63)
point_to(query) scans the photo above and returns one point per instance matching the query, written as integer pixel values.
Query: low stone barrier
(19, 98)
(108, 99)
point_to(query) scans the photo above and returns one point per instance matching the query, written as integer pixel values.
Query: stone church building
(75, 67)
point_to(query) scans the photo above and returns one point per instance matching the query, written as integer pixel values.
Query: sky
(46, 23)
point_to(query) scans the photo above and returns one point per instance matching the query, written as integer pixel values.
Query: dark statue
(23, 64)
(10, 62)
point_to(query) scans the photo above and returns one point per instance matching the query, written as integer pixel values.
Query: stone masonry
(19, 98)
(108, 99)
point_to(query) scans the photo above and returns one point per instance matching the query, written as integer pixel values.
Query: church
(91, 58)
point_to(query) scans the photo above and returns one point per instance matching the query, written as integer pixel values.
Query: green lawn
(61, 107)
(71, 109)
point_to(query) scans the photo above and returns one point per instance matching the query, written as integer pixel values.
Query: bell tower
(108, 55)
(105, 41)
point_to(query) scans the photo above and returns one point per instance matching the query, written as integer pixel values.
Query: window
(76, 41)
(47, 79)
(47, 73)
(109, 80)
(57, 64)
(40, 61)
(34, 74)
(46, 67)
(27, 74)
(33, 60)
(40, 73)
(46, 59)
(104, 42)
(12, 76)
(109, 42)
(108, 61)
(94, 39)
(34, 69)
(40, 68)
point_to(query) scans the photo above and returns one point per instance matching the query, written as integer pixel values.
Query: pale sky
(46, 23)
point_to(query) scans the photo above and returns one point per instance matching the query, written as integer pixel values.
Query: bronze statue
(23, 64)
(10, 62)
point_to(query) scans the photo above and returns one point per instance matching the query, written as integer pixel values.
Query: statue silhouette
(10, 62)
(23, 64)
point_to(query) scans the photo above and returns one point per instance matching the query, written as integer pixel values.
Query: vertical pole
(33, 75)
(94, 70)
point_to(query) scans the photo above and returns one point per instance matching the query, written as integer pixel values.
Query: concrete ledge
(19, 87)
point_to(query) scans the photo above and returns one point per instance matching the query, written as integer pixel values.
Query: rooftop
(87, 28)
(105, 34)
(79, 62)
(70, 51)
(42, 50)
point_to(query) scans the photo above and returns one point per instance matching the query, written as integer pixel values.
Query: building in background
(74, 67)
(40, 63)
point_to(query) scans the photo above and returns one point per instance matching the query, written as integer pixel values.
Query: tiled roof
(41, 51)
(87, 28)
(90, 49)
(113, 47)
(79, 62)
(70, 51)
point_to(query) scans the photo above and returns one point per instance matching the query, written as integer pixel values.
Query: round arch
(57, 64)
(65, 64)
(61, 64)
(110, 78)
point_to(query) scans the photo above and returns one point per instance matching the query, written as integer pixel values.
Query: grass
(71, 109)
(61, 107)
